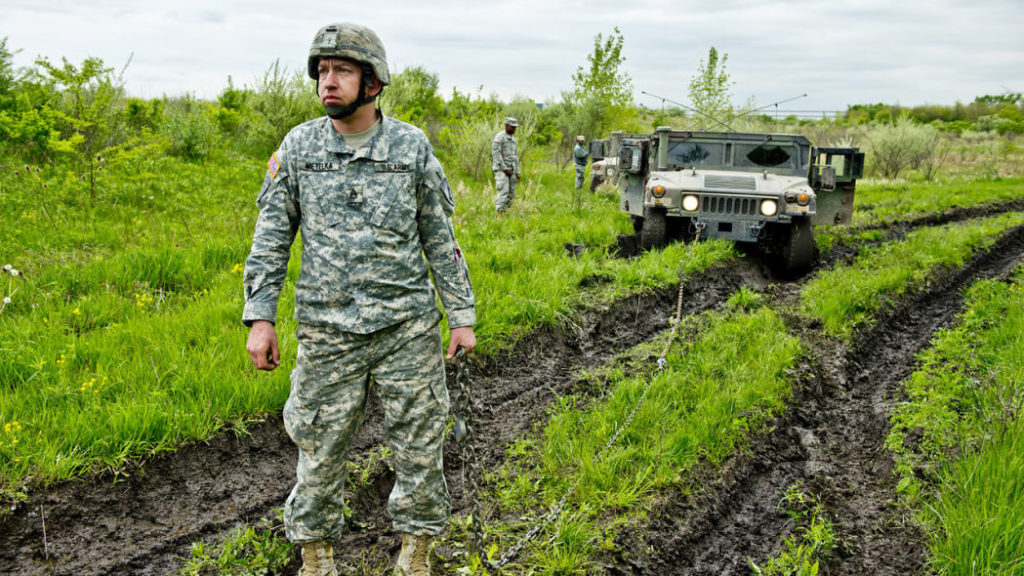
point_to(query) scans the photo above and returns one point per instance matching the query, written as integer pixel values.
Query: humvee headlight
(769, 207)
(658, 191)
(690, 203)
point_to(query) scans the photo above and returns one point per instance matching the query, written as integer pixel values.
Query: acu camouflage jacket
(368, 218)
(503, 153)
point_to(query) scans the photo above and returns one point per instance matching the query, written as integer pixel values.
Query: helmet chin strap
(341, 112)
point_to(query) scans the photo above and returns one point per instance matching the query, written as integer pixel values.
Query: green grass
(811, 541)
(880, 202)
(242, 551)
(123, 338)
(958, 439)
(700, 407)
(847, 297)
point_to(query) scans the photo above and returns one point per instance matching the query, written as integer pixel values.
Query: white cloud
(839, 52)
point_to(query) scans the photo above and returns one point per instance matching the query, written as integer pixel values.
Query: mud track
(830, 439)
(144, 522)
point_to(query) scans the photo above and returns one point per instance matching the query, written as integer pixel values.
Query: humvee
(604, 155)
(767, 189)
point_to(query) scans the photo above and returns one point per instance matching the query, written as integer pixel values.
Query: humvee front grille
(729, 205)
(730, 182)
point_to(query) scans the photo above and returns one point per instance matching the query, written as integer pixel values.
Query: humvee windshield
(696, 153)
(767, 155)
(743, 155)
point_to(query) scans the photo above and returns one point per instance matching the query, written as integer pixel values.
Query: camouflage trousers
(506, 186)
(581, 171)
(326, 406)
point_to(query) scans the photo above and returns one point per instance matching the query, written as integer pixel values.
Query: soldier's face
(339, 81)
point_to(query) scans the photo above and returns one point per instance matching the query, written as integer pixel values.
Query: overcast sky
(838, 52)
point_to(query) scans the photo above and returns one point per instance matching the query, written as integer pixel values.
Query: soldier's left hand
(464, 337)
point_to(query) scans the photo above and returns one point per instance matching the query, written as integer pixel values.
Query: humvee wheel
(652, 233)
(798, 247)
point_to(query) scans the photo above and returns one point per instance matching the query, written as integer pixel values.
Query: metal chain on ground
(466, 438)
(511, 553)
(679, 301)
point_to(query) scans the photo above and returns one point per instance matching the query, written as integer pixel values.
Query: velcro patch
(322, 166)
(392, 167)
(273, 165)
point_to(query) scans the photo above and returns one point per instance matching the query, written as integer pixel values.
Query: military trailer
(767, 189)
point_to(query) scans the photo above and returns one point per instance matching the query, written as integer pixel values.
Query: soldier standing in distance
(579, 156)
(505, 165)
(371, 200)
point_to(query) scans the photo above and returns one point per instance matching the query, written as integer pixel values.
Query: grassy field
(965, 475)
(121, 338)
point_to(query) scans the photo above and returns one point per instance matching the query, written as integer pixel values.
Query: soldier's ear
(373, 84)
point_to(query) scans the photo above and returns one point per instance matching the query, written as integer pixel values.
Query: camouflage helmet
(352, 41)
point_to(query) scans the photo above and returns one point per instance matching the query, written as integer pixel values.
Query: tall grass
(846, 297)
(123, 337)
(885, 202)
(701, 406)
(959, 439)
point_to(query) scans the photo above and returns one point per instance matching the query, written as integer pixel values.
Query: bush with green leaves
(892, 148)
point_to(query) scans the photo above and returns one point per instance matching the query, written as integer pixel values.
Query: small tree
(88, 99)
(710, 90)
(413, 97)
(26, 123)
(278, 102)
(602, 96)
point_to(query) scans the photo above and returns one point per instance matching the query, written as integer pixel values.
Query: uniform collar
(375, 149)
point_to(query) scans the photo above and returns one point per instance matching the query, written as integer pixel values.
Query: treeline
(75, 115)
(78, 114)
(1002, 114)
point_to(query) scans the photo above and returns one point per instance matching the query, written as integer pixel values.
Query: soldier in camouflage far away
(505, 165)
(371, 200)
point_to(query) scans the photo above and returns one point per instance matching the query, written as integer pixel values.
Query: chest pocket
(360, 197)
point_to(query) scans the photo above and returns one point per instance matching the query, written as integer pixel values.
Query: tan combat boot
(318, 559)
(413, 560)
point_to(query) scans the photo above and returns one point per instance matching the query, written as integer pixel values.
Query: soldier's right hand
(262, 346)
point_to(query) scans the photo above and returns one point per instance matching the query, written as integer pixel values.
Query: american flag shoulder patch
(273, 165)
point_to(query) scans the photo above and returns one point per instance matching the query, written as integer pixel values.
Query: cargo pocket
(440, 390)
(300, 421)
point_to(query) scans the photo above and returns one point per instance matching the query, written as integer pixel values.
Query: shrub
(904, 144)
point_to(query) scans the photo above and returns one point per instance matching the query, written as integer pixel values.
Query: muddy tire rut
(143, 522)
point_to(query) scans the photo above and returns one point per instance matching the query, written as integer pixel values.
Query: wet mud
(143, 521)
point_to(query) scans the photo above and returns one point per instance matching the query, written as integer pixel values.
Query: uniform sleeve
(444, 257)
(267, 264)
(497, 157)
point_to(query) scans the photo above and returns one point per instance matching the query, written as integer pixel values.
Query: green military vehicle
(767, 189)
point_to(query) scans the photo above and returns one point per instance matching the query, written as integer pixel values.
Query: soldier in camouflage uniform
(505, 165)
(579, 156)
(371, 200)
